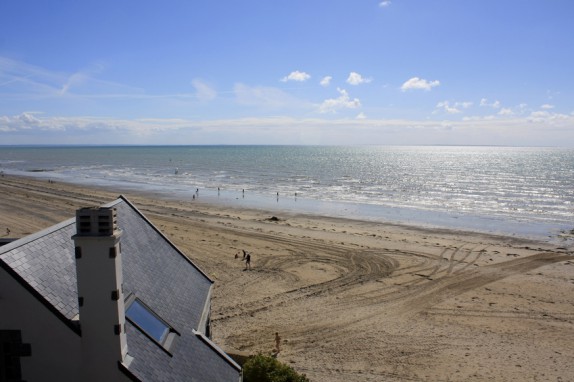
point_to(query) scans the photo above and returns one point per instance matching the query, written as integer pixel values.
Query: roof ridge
(125, 199)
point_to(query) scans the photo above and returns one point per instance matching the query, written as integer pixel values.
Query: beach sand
(355, 300)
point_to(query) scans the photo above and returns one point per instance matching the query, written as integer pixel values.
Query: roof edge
(35, 236)
(218, 350)
(125, 199)
(20, 280)
(127, 372)
(206, 310)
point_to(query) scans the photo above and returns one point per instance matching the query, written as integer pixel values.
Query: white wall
(56, 354)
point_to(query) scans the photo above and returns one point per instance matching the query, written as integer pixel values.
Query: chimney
(100, 294)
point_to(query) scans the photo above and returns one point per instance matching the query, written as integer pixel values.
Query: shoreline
(555, 233)
(354, 300)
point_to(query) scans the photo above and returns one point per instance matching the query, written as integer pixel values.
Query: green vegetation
(262, 368)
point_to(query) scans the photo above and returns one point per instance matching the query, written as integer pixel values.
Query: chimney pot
(96, 221)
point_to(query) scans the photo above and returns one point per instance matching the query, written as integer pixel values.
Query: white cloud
(455, 108)
(30, 79)
(521, 109)
(296, 76)
(29, 128)
(260, 96)
(361, 116)
(385, 3)
(29, 82)
(29, 122)
(203, 91)
(86, 81)
(417, 83)
(555, 120)
(538, 116)
(326, 81)
(356, 79)
(445, 105)
(75, 79)
(21, 122)
(547, 106)
(505, 111)
(342, 102)
(494, 105)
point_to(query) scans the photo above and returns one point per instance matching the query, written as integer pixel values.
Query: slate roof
(154, 270)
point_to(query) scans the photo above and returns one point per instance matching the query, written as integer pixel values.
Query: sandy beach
(355, 300)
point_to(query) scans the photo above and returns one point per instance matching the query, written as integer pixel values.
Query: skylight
(146, 320)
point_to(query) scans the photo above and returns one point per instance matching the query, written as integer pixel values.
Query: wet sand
(355, 300)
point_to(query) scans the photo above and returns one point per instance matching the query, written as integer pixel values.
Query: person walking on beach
(248, 261)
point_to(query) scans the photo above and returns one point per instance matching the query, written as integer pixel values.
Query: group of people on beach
(196, 194)
(247, 258)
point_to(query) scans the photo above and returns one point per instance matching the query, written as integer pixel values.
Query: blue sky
(399, 72)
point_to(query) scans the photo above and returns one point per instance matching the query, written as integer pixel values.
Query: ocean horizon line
(57, 145)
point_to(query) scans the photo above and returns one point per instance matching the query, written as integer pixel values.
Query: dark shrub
(262, 368)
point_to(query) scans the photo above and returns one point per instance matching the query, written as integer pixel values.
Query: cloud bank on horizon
(337, 72)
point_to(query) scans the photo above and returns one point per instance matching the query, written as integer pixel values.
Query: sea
(516, 191)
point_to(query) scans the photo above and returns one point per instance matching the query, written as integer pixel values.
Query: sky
(305, 72)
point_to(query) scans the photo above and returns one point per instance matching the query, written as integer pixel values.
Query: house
(106, 297)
